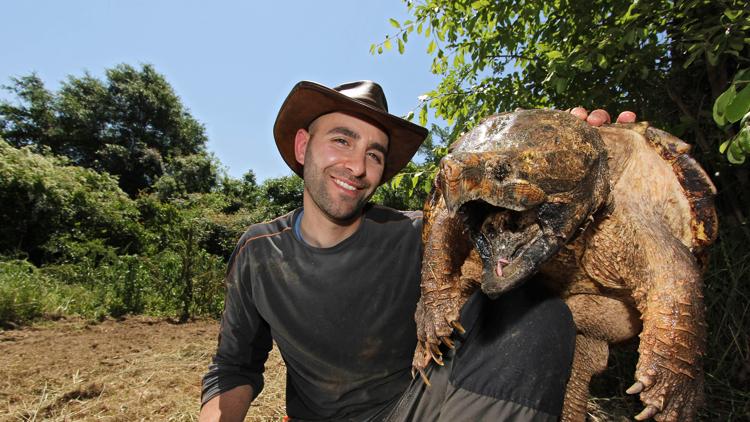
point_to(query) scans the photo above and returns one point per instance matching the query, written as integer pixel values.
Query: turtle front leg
(669, 374)
(667, 289)
(443, 292)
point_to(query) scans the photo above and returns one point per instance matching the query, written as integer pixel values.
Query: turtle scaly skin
(616, 219)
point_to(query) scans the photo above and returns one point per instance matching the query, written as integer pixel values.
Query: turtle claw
(436, 354)
(448, 342)
(647, 413)
(458, 327)
(424, 377)
(635, 388)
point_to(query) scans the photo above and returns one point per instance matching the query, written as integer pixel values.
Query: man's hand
(599, 117)
(229, 406)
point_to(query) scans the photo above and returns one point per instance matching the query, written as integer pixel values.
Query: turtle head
(523, 183)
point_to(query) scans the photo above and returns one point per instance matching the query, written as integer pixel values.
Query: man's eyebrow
(341, 130)
(344, 131)
(379, 147)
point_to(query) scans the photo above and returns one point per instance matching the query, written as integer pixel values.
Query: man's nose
(357, 164)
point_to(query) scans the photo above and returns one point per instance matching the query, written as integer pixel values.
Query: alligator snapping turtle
(616, 219)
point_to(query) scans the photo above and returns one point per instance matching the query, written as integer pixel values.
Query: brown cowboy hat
(362, 99)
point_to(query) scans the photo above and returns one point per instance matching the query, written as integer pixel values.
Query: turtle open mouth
(504, 239)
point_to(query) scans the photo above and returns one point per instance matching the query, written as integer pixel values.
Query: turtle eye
(500, 171)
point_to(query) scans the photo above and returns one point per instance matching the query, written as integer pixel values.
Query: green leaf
(431, 47)
(732, 14)
(735, 154)
(743, 139)
(713, 59)
(415, 179)
(742, 76)
(387, 44)
(423, 116)
(427, 184)
(739, 106)
(409, 116)
(554, 54)
(745, 120)
(720, 105)
(394, 23)
(560, 85)
(723, 146)
(372, 49)
(396, 181)
(694, 55)
(584, 65)
(400, 46)
(380, 50)
(602, 61)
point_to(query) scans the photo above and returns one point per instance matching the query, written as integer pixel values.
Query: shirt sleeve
(244, 337)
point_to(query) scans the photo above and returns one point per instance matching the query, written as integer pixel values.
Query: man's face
(343, 159)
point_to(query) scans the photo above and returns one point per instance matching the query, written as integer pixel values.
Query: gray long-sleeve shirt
(342, 316)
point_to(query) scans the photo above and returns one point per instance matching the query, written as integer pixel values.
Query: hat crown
(368, 92)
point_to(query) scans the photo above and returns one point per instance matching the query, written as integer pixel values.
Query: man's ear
(300, 145)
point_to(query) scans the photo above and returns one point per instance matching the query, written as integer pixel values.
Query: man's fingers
(626, 117)
(580, 112)
(598, 117)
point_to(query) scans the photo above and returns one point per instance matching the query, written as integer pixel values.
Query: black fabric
(519, 349)
(342, 317)
(512, 364)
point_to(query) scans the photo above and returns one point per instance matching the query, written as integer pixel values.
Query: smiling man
(335, 284)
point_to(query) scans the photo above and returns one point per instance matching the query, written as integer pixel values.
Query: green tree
(132, 125)
(668, 61)
(48, 206)
(281, 195)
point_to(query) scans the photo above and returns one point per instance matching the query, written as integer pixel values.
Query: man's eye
(375, 157)
(341, 141)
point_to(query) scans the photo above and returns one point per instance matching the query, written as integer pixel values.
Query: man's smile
(344, 184)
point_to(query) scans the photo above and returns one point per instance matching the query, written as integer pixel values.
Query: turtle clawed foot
(647, 413)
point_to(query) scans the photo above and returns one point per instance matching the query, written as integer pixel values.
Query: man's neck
(320, 231)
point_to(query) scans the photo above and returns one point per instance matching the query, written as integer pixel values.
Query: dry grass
(139, 369)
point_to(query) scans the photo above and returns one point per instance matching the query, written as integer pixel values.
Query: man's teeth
(344, 185)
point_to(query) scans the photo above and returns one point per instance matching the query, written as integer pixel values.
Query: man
(336, 283)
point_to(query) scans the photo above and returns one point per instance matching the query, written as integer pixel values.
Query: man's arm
(235, 375)
(228, 406)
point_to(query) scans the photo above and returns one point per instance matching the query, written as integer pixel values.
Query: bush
(21, 293)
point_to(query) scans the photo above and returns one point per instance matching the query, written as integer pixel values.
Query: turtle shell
(695, 185)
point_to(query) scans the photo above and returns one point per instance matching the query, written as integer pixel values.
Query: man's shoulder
(385, 215)
(268, 229)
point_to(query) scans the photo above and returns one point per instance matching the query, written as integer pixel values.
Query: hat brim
(308, 100)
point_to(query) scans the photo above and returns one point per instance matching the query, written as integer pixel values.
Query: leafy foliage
(733, 105)
(499, 55)
(43, 198)
(96, 252)
(131, 125)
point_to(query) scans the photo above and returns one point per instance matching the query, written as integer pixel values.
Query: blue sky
(231, 62)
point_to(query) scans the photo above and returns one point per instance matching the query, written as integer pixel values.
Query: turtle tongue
(501, 262)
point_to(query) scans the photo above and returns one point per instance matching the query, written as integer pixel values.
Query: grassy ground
(148, 369)
(130, 370)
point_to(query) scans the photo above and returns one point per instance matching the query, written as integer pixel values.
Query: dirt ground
(137, 369)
